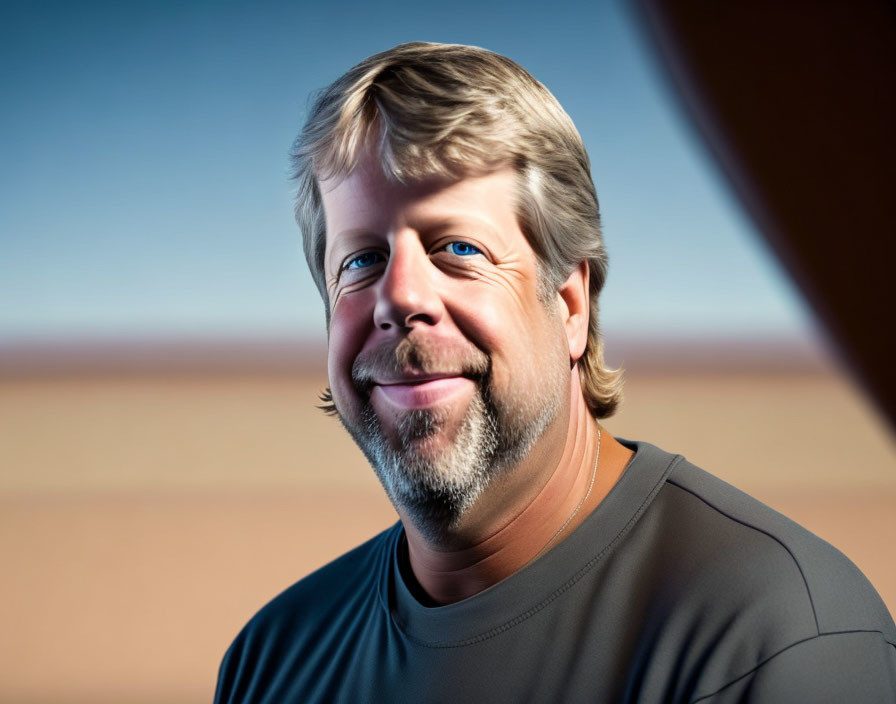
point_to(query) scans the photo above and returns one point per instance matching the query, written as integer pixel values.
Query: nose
(406, 293)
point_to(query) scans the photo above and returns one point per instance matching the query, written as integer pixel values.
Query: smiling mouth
(418, 371)
(421, 392)
(412, 378)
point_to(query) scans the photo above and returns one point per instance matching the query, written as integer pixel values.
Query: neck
(530, 510)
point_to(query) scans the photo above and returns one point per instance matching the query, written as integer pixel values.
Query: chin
(435, 463)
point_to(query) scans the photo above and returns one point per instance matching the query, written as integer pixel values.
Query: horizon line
(128, 355)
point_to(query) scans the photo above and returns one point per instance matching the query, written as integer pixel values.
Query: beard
(433, 479)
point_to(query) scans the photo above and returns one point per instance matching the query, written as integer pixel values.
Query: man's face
(443, 363)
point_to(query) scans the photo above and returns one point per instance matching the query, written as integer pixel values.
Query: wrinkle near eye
(509, 278)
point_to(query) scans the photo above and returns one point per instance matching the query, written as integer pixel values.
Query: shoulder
(336, 585)
(771, 554)
(741, 600)
(753, 604)
(326, 604)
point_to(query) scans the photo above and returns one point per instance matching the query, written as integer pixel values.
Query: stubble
(433, 479)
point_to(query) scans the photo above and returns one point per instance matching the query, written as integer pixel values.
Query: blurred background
(163, 468)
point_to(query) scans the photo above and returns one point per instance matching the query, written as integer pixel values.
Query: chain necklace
(581, 503)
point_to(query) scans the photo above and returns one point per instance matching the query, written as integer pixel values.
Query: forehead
(369, 200)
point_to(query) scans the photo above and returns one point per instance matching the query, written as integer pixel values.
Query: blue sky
(144, 189)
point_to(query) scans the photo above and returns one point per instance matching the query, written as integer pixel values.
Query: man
(451, 224)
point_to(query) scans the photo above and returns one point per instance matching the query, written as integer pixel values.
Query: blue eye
(362, 261)
(462, 249)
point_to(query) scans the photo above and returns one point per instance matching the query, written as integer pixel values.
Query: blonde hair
(450, 111)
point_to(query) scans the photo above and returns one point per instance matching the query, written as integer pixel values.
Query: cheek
(526, 345)
(349, 325)
(512, 334)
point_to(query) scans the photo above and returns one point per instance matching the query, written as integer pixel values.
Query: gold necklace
(581, 503)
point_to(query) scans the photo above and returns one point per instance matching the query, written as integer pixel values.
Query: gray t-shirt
(677, 588)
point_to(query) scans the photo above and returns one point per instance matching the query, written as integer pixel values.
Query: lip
(421, 391)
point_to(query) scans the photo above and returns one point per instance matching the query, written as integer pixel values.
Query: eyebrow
(463, 221)
(353, 233)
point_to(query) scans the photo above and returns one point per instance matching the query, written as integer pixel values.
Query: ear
(575, 307)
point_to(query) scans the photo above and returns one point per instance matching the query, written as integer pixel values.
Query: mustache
(418, 355)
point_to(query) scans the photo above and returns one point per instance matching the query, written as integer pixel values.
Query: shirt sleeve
(856, 666)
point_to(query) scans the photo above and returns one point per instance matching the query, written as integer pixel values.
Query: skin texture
(435, 313)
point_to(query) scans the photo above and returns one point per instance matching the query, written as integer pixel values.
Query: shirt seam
(762, 664)
(557, 593)
(780, 542)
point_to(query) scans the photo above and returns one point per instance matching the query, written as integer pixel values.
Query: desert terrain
(146, 516)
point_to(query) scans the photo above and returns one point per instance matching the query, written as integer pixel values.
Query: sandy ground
(143, 519)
